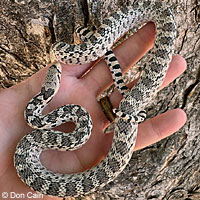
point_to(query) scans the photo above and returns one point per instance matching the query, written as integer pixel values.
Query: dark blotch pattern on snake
(129, 112)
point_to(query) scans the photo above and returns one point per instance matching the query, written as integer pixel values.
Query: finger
(127, 53)
(176, 67)
(76, 70)
(159, 127)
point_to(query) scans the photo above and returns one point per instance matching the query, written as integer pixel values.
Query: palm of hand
(82, 91)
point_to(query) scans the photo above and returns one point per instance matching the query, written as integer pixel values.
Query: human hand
(83, 91)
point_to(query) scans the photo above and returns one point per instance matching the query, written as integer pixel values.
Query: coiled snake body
(128, 114)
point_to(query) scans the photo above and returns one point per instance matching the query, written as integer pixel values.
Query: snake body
(128, 114)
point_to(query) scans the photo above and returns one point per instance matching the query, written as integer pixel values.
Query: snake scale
(130, 111)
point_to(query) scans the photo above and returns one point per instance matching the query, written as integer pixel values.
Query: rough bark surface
(169, 169)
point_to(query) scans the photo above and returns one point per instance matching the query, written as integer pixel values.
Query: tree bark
(169, 169)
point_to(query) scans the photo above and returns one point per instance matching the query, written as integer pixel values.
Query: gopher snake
(129, 113)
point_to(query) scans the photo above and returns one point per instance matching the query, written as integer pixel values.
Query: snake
(94, 45)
